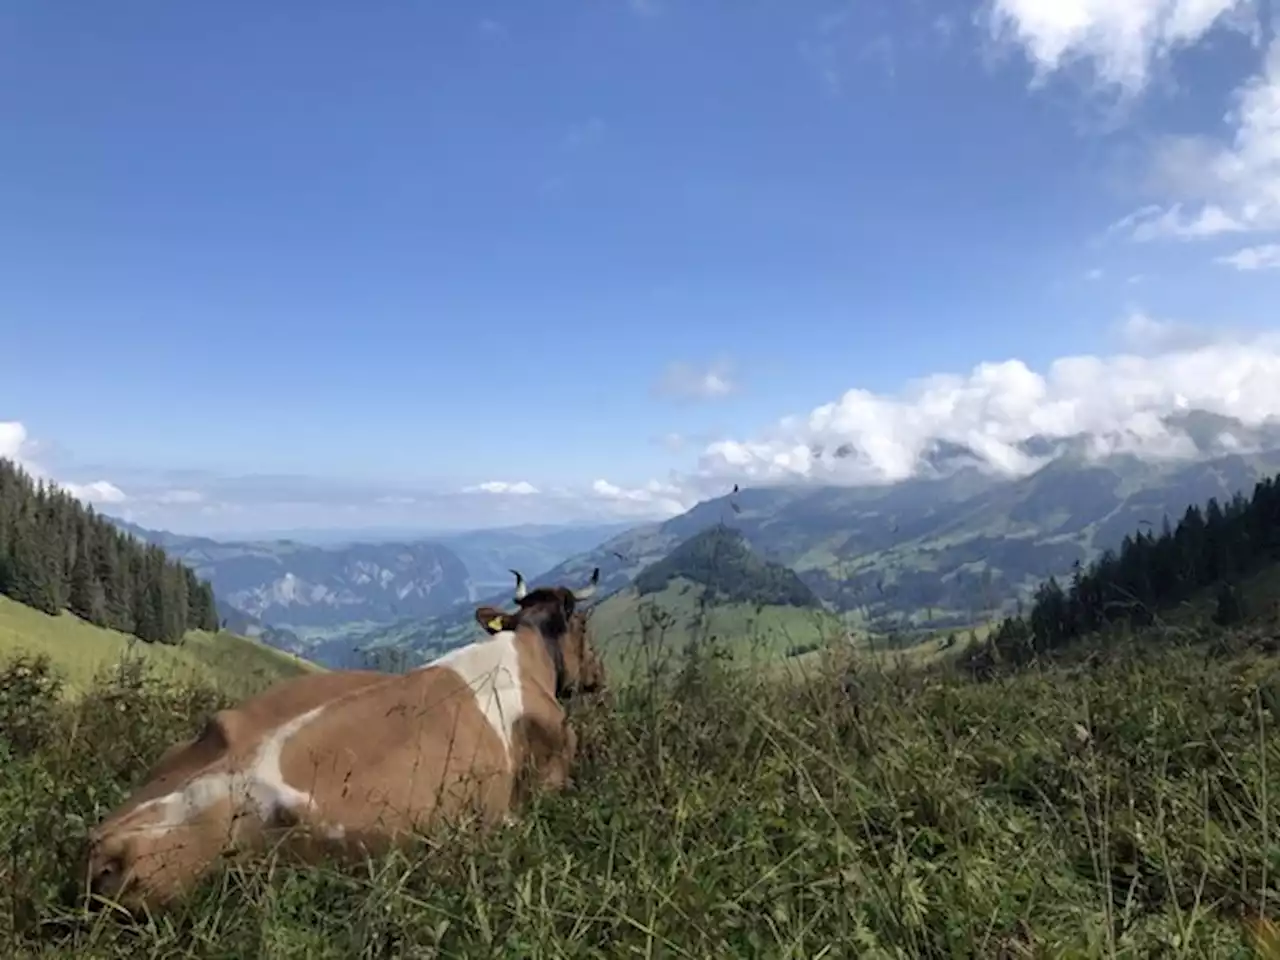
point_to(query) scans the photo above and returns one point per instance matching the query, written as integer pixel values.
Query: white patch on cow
(492, 669)
(261, 785)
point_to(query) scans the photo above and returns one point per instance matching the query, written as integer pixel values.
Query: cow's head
(152, 848)
(553, 613)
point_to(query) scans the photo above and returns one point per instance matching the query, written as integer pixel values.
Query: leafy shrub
(29, 694)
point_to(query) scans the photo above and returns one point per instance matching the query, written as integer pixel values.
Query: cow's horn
(584, 593)
(521, 587)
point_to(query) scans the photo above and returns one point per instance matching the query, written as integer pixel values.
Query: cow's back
(392, 756)
(229, 731)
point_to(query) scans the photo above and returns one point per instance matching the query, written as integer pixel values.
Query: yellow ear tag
(495, 624)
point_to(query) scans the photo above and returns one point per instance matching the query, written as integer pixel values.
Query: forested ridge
(58, 554)
(1211, 547)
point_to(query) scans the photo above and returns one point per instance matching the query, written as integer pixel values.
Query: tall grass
(1120, 807)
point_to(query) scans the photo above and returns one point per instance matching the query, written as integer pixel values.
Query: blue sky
(333, 264)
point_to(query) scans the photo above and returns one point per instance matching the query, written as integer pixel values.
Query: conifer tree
(58, 554)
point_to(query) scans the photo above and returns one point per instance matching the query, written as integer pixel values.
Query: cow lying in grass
(351, 763)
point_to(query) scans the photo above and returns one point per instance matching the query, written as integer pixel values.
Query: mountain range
(294, 594)
(958, 545)
(942, 552)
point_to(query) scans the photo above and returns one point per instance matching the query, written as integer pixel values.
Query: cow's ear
(493, 620)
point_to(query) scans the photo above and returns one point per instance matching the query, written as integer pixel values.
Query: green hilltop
(712, 589)
(721, 561)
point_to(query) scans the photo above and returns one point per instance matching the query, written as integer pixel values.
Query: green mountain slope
(79, 650)
(634, 630)
(1216, 549)
(56, 553)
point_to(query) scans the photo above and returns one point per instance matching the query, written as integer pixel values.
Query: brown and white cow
(350, 763)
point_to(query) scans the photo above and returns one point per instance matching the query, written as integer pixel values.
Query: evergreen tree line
(1211, 547)
(57, 554)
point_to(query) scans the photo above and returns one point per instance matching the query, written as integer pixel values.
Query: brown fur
(387, 755)
(267, 710)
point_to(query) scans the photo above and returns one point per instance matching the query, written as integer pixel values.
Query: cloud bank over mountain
(998, 411)
(1002, 416)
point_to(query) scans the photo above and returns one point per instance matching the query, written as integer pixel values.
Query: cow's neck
(550, 629)
(555, 650)
(536, 635)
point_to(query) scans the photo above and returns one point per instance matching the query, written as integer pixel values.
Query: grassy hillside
(630, 628)
(1260, 595)
(1115, 811)
(79, 650)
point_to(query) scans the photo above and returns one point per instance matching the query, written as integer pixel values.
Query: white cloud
(1123, 40)
(222, 505)
(1094, 274)
(519, 488)
(1208, 187)
(1145, 334)
(1264, 257)
(100, 491)
(656, 496)
(1173, 223)
(684, 381)
(17, 446)
(180, 497)
(13, 437)
(1117, 400)
(1222, 188)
